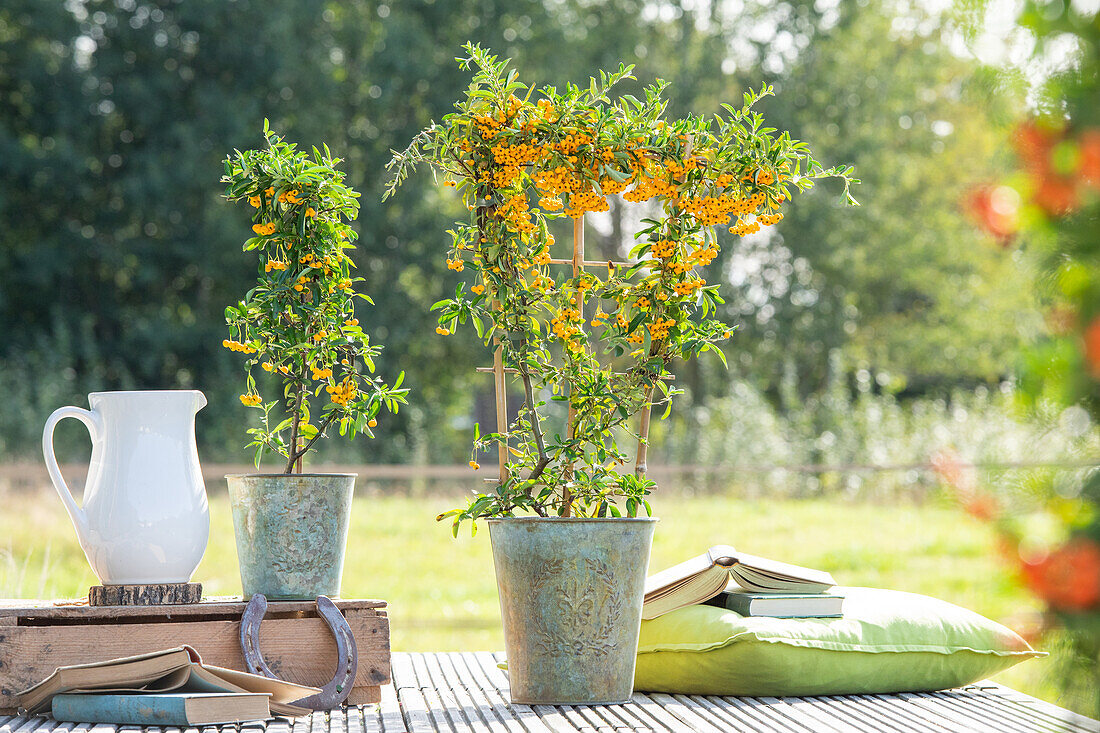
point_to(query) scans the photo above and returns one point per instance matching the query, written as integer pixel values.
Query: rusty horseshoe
(338, 689)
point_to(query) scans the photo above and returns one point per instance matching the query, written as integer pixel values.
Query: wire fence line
(30, 476)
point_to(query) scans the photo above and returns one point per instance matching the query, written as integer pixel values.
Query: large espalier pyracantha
(299, 322)
(521, 158)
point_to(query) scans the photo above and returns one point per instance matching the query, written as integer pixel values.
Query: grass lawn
(442, 591)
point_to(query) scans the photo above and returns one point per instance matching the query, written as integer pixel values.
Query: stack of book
(747, 584)
(166, 688)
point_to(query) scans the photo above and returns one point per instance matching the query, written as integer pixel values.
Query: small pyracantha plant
(299, 322)
(520, 158)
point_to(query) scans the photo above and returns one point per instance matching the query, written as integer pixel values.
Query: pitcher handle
(91, 421)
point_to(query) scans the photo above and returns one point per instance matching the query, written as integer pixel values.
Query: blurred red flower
(1058, 186)
(1068, 578)
(1092, 347)
(982, 505)
(1090, 156)
(996, 210)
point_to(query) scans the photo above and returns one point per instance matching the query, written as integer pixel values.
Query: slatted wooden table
(465, 691)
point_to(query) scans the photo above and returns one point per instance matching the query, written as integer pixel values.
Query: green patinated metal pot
(571, 602)
(291, 532)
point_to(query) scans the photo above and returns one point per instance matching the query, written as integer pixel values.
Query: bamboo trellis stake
(499, 372)
(500, 390)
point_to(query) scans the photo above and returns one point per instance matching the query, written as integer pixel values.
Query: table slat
(389, 710)
(1009, 714)
(465, 692)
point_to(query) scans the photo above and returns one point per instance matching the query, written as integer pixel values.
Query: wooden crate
(38, 636)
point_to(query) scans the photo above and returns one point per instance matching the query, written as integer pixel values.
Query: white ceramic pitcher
(145, 518)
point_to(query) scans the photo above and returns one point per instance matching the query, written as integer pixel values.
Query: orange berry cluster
(250, 400)
(515, 211)
(557, 180)
(743, 228)
(646, 188)
(664, 249)
(542, 283)
(274, 265)
(269, 367)
(688, 287)
(238, 346)
(342, 393)
(582, 202)
(564, 326)
(516, 155)
(659, 328)
(760, 177)
(704, 255)
(264, 229)
(610, 186)
(290, 197)
(319, 374)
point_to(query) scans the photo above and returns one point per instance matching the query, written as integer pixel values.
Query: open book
(178, 670)
(707, 575)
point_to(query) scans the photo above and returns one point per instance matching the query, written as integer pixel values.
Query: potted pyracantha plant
(598, 337)
(298, 331)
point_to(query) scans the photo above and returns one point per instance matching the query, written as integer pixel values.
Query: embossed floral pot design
(571, 602)
(291, 532)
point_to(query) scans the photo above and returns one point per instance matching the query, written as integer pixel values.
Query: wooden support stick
(510, 370)
(594, 263)
(500, 388)
(578, 267)
(643, 436)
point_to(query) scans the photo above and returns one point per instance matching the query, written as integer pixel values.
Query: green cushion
(887, 641)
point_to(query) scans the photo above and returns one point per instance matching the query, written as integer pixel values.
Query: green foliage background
(119, 257)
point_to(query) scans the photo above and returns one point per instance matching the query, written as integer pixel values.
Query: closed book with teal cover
(180, 709)
(781, 605)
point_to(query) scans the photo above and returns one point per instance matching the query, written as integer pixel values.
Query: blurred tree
(898, 287)
(116, 113)
(1049, 522)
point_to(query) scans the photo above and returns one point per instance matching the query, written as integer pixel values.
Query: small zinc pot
(571, 602)
(291, 532)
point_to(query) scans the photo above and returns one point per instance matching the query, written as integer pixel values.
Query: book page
(764, 575)
(283, 694)
(677, 574)
(687, 592)
(127, 673)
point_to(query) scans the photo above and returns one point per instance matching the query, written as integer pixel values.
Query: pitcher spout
(142, 402)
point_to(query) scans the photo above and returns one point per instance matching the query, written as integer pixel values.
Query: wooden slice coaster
(164, 594)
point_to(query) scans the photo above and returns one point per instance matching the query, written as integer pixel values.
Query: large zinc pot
(571, 602)
(291, 532)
